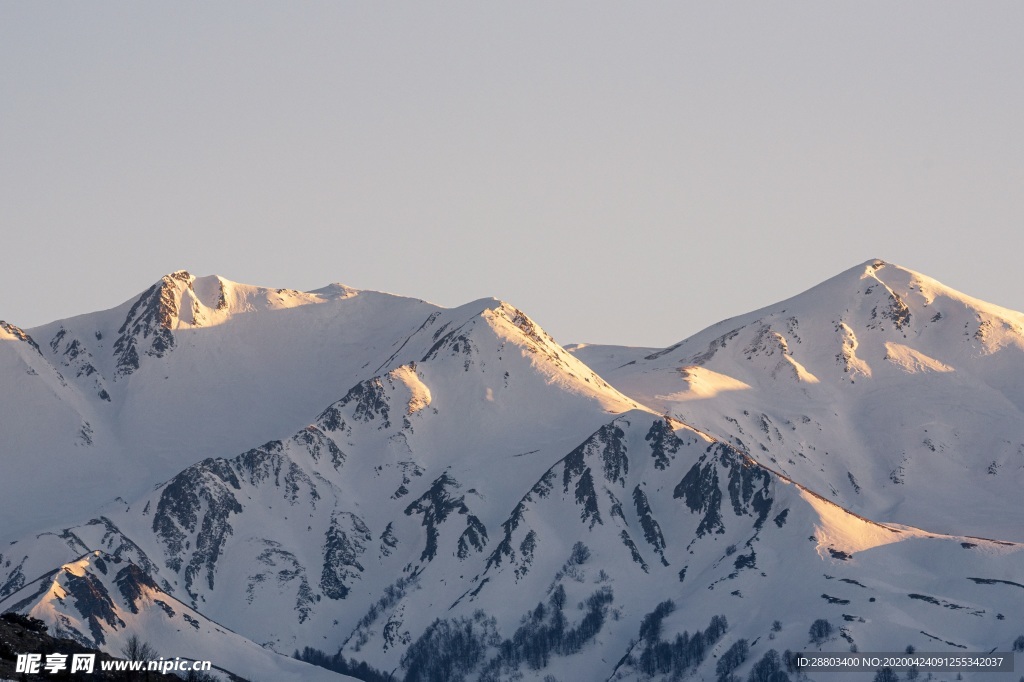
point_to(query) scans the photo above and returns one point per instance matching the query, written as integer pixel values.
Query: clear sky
(623, 172)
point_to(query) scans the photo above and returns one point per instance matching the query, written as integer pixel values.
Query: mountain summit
(881, 388)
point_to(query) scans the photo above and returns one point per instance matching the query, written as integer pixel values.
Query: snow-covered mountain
(192, 368)
(881, 389)
(450, 494)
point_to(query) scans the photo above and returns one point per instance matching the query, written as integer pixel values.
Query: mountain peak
(334, 290)
(180, 275)
(18, 333)
(877, 344)
(874, 268)
(874, 264)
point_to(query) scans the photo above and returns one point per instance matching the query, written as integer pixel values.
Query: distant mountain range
(231, 471)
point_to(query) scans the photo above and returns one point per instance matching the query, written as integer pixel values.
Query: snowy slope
(882, 389)
(46, 425)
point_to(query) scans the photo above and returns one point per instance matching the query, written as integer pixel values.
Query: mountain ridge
(434, 461)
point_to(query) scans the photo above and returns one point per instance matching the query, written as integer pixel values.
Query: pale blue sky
(624, 172)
